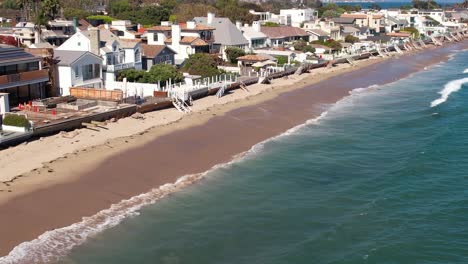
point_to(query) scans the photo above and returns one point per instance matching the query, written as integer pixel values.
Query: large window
(90, 71)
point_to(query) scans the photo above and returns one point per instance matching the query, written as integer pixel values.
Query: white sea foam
(449, 88)
(55, 244)
(465, 71)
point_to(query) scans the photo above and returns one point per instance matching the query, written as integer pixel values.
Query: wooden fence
(96, 94)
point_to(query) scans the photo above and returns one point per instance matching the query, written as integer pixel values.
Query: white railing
(122, 66)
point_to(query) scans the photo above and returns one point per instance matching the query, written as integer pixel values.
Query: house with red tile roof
(184, 39)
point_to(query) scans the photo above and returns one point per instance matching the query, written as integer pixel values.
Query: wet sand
(220, 134)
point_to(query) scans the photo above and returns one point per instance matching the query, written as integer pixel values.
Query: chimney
(210, 17)
(257, 26)
(238, 25)
(94, 40)
(191, 24)
(175, 36)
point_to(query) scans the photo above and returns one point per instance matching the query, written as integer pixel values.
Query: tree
(11, 4)
(270, 24)
(70, 13)
(299, 44)
(309, 48)
(162, 73)
(423, 4)
(351, 39)
(50, 8)
(158, 73)
(233, 53)
(414, 32)
(201, 64)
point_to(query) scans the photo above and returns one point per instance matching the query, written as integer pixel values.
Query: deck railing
(39, 75)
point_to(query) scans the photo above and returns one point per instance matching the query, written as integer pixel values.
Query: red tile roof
(152, 51)
(183, 27)
(251, 57)
(399, 34)
(356, 16)
(192, 41)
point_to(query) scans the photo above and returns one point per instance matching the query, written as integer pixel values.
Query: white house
(184, 38)
(77, 69)
(124, 29)
(295, 17)
(254, 35)
(117, 54)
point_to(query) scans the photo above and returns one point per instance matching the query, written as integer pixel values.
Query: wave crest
(465, 71)
(449, 88)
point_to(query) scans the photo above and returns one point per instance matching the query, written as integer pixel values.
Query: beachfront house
(375, 22)
(257, 39)
(295, 17)
(279, 36)
(157, 54)
(226, 34)
(77, 69)
(22, 78)
(117, 54)
(184, 39)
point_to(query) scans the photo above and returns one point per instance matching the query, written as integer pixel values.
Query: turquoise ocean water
(382, 177)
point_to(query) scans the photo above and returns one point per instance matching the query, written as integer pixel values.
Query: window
(79, 44)
(77, 74)
(137, 55)
(33, 66)
(155, 37)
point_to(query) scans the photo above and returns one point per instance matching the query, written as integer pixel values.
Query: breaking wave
(465, 71)
(449, 88)
(53, 245)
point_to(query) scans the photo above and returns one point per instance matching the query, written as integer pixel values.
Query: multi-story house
(226, 34)
(55, 32)
(327, 26)
(117, 54)
(184, 39)
(124, 29)
(257, 39)
(279, 36)
(295, 17)
(22, 77)
(376, 22)
(77, 69)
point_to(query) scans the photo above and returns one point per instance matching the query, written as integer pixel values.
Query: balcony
(23, 78)
(123, 66)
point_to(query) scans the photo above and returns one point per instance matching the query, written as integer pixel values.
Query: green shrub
(16, 120)
(233, 53)
(106, 19)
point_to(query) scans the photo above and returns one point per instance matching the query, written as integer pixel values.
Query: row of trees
(197, 64)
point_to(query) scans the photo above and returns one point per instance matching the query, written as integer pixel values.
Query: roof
(363, 29)
(377, 16)
(42, 45)
(399, 34)
(283, 32)
(347, 29)
(251, 33)
(318, 46)
(344, 20)
(83, 24)
(189, 40)
(68, 57)
(129, 43)
(251, 57)
(355, 16)
(225, 33)
(154, 50)
(318, 32)
(104, 35)
(183, 27)
(14, 55)
(380, 38)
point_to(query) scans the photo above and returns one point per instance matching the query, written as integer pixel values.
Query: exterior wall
(298, 16)
(64, 80)
(76, 42)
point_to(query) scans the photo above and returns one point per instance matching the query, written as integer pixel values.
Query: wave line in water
(465, 71)
(449, 88)
(55, 244)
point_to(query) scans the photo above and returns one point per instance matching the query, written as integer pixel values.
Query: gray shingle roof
(13, 55)
(68, 57)
(225, 33)
(343, 20)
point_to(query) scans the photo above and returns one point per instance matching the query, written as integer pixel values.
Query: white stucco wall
(76, 42)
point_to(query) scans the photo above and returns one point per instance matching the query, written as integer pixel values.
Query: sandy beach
(55, 181)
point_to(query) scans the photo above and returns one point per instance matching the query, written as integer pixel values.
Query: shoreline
(232, 120)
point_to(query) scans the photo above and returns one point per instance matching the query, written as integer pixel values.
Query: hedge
(16, 120)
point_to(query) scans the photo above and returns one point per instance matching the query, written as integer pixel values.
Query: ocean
(393, 4)
(381, 177)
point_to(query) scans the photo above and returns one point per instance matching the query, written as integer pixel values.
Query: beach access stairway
(436, 41)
